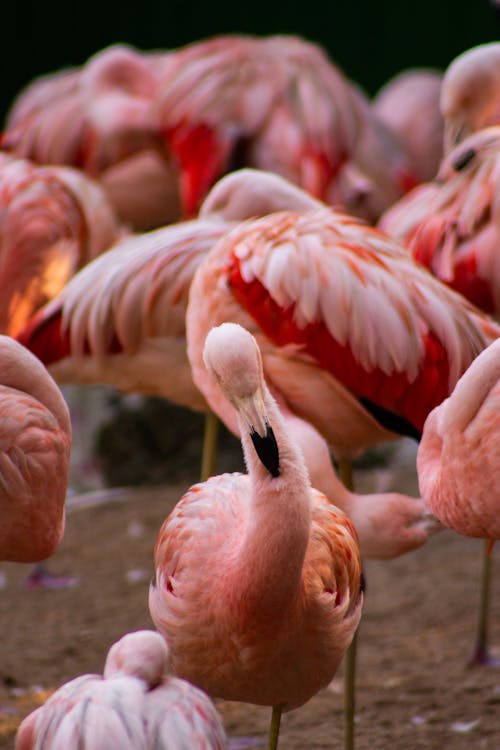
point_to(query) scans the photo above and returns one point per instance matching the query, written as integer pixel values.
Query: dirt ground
(414, 687)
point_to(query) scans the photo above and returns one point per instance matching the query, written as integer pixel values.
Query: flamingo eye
(463, 159)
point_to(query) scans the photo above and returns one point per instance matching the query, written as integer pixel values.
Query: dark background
(370, 40)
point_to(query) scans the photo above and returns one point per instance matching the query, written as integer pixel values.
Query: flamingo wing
(137, 289)
(325, 290)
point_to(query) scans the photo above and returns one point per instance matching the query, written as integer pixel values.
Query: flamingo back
(330, 293)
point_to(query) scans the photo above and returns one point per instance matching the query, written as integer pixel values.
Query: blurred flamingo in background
(277, 104)
(158, 129)
(254, 609)
(135, 704)
(98, 118)
(53, 220)
(452, 225)
(458, 464)
(408, 104)
(34, 456)
(470, 94)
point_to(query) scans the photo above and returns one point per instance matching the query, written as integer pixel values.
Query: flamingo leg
(274, 728)
(209, 453)
(481, 656)
(347, 479)
(346, 474)
(350, 692)
(41, 578)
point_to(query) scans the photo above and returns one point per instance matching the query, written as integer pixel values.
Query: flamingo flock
(235, 227)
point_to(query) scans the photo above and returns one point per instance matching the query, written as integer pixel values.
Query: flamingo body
(35, 442)
(277, 104)
(135, 705)
(252, 608)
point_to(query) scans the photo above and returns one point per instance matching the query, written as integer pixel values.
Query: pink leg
(40, 578)
(481, 656)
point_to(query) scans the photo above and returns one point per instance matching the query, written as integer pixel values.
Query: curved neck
(277, 528)
(21, 370)
(472, 389)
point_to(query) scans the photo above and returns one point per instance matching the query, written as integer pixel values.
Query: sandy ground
(415, 688)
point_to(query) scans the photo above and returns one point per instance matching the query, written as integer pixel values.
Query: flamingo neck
(278, 523)
(460, 409)
(25, 373)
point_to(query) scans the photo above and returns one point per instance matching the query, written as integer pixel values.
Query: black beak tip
(267, 450)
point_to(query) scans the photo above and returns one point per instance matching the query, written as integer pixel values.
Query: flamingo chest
(275, 665)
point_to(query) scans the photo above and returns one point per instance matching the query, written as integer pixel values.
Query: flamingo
(135, 704)
(34, 456)
(254, 609)
(408, 104)
(53, 220)
(470, 94)
(451, 225)
(458, 464)
(278, 104)
(98, 118)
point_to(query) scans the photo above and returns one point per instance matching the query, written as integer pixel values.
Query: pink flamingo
(458, 464)
(254, 609)
(470, 94)
(53, 220)
(99, 118)
(451, 225)
(279, 104)
(34, 456)
(408, 104)
(135, 704)
(358, 343)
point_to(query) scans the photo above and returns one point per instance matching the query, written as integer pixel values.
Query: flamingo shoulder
(333, 562)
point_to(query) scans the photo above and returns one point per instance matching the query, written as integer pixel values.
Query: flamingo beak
(267, 450)
(253, 411)
(455, 131)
